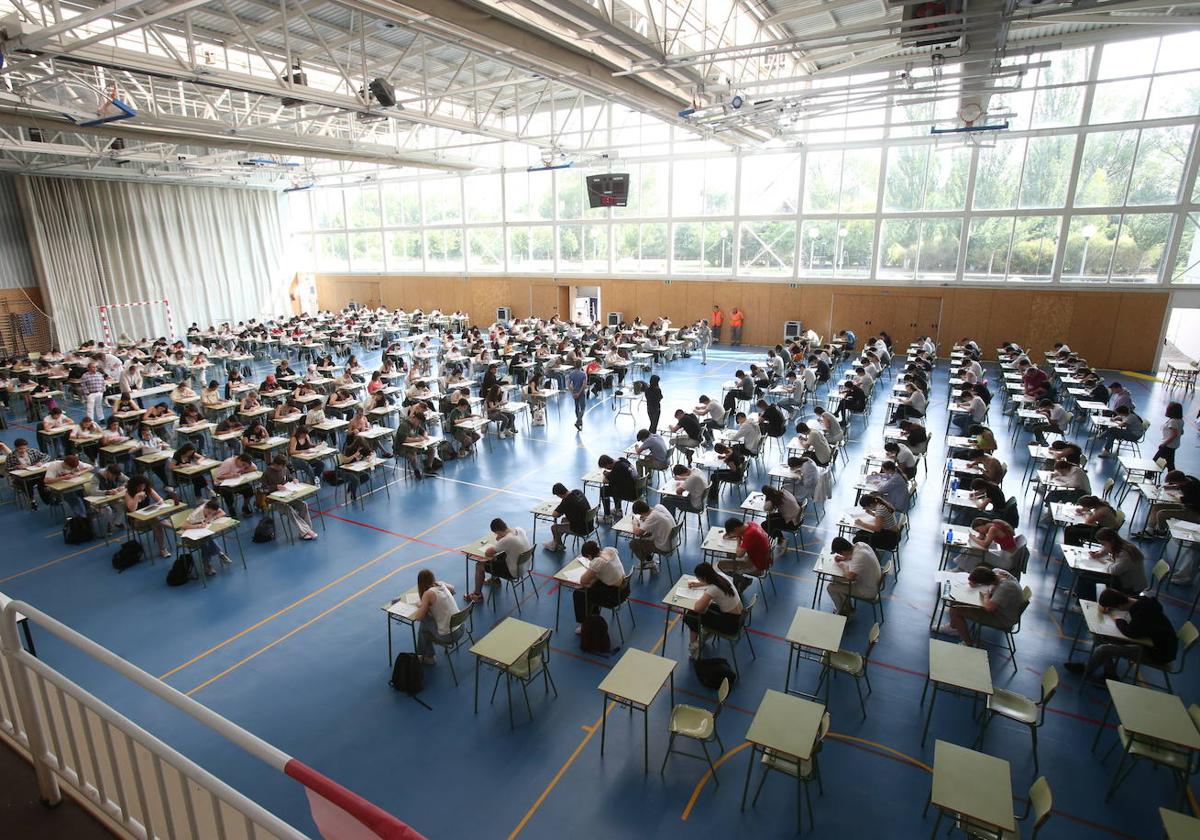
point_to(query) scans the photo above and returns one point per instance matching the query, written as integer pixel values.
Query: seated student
(981, 438)
(288, 410)
(183, 391)
(692, 433)
(211, 395)
(355, 449)
(912, 403)
(991, 468)
(1035, 381)
(600, 585)
(831, 427)
(1096, 514)
(853, 401)
(182, 457)
(69, 466)
(158, 411)
(783, 514)
(1067, 484)
(86, 437)
(791, 394)
(1063, 450)
(234, 467)
(250, 402)
(412, 428)
(878, 525)
(997, 540)
(277, 474)
(1001, 608)
(1125, 570)
(1118, 395)
(891, 484)
(815, 442)
(111, 481)
(462, 440)
(713, 414)
(915, 436)
(1129, 426)
(202, 517)
(620, 485)
(747, 439)
(1054, 419)
(573, 507)
(976, 409)
(733, 471)
(1186, 508)
(256, 432)
(503, 557)
(493, 401)
(301, 441)
(718, 607)
(436, 608)
(653, 451)
(690, 487)
(1146, 621)
(743, 391)
(860, 573)
(140, 494)
(903, 457)
(771, 420)
(651, 534)
(987, 496)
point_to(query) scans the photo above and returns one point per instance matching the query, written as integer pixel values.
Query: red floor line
(386, 531)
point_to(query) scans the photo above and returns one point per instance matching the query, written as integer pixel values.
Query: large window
(1092, 182)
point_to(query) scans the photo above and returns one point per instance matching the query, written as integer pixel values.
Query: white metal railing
(145, 788)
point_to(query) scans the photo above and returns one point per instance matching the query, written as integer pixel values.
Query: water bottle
(949, 536)
(954, 484)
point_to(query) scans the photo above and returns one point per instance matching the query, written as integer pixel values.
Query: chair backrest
(1194, 712)
(1109, 483)
(1049, 684)
(462, 616)
(538, 653)
(1162, 463)
(872, 639)
(177, 519)
(676, 536)
(722, 693)
(589, 521)
(1187, 637)
(623, 590)
(748, 612)
(1120, 517)
(525, 561)
(1042, 800)
(823, 729)
(887, 569)
(1159, 573)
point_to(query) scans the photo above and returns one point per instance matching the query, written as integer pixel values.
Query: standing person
(718, 318)
(1172, 434)
(704, 338)
(577, 383)
(736, 319)
(92, 385)
(654, 398)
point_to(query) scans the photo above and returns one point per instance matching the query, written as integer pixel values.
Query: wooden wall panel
(543, 301)
(1112, 329)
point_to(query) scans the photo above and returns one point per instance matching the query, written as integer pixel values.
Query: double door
(904, 317)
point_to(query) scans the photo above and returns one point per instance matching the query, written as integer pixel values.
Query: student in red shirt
(753, 551)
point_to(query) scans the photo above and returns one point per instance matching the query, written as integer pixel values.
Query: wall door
(365, 292)
(904, 317)
(543, 301)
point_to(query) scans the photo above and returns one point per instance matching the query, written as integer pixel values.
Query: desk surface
(786, 724)
(973, 784)
(508, 641)
(960, 666)
(637, 677)
(816, 629)
(1179, 826)
(1153, 714)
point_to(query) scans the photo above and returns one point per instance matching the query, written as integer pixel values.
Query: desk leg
(467, 572)
(476, 685)
(787, 680)
(603, 720)
(749, 770)
(412, 626)
(389, 624)
(672, 688)
(557, 601)
(929, 714)
(645, 740)
(508, 691)
(936, 824)
(666, 631)
(1103, 723)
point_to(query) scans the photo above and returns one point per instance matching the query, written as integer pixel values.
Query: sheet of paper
(197, 533)
(230, 482)
(574, 575)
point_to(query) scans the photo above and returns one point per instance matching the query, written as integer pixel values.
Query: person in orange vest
(736, 319)
(718, 317)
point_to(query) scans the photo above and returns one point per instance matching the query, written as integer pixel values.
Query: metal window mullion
(1089, 95)
(1184, 197)
(877, 243)
(964, 234)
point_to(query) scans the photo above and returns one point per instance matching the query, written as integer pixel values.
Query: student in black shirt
(744, 391)
(689, 424)
(654, 398)
(573, 509)
(620, 484)
(1146, 620)
(770, 419)
(731, 472)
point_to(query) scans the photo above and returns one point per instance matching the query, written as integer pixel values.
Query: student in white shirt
(860, 568)
(804, 486)
(711, 414)
(976, 410)
(651, 533)
(601, 582)
(503, 557)
(434, 612)
(691, 486)
(69, 467)
(748, 435)
(719, 606)
(202, 517)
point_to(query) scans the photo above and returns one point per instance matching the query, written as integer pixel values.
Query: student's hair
(213, 504)
(604, 462)
(740, 416)
(1123, 410)
(732, 524)
(640, 507)
(559, 489)
(1045, 403)
(497, 525)
(772, 494)
(819, 410)
(590, 549)
(1113, 599)
(679, 469)
(888, 466)
(720, 448)
(679, 412)
(870, 499)
(840, 544)
(1110, 536)
(801, 428)
(425, 579)
(280, 460)
(761, 404)
(1175, 475)
(138, 483)
(654, 379)
(643, 434)
(704, 398)
(740, 373)
(186, 448)
(245, 458)
(1175, 411)
(708, 575)
(1091, 502)
(1062, 464)
(983, 575)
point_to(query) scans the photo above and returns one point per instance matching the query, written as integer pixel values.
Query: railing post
(30, 716)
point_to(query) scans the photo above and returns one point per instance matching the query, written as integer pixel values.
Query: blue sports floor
(295, 650)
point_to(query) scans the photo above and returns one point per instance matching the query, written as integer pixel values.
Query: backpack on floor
(409, 677)
(264, 531)
(129, 554)
(76, 530)
(331, 478)
(711, 672)
(593, 635)
(177, 575)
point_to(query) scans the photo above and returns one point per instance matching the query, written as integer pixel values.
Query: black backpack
(593, 635)
(711, 672)
(177, 575)
(264, 531)
(129, 554)
(409, 677)
(76, 530)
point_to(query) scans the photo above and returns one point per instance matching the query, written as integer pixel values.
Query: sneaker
(493, 581)
(33, 505)
(552, 545)
(164, 554)
(694, 649)
(317, 481)
(209, 570)
(311, 535)
(429, 660)
(1105, 453)
(578, 629)
(224, 558)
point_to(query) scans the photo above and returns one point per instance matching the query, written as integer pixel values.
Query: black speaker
(384, 93)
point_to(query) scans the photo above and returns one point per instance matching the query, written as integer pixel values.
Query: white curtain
(216, 254)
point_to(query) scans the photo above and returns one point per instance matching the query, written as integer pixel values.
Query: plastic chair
(589, 528)
(460, 619)
(524, 573)
(1157, 752)
(1040, 803)
(1019, 708)
(875, 599)
(1159, 573)
(699, 725)
(800, 770)
(1188, 635)
(623, 592)
(526, 669)
(855, 664)
(737, 636)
